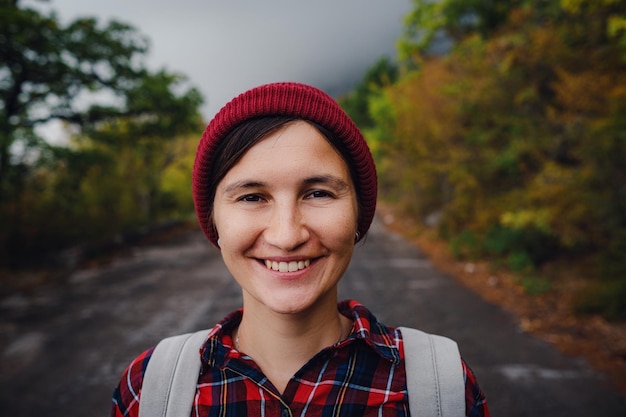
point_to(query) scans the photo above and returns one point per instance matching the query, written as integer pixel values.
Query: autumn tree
(513, 142)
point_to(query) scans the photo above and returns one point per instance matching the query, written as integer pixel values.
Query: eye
(319, 194)
(251, 198)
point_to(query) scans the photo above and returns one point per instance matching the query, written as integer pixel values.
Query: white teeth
(287, 266)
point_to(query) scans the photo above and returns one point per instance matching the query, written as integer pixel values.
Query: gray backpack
(433, 371)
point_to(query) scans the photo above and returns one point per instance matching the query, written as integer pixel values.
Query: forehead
(296, 147)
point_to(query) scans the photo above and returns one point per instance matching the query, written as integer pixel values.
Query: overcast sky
(228, 46)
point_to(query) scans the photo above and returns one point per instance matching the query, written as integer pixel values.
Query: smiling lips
(287, 266)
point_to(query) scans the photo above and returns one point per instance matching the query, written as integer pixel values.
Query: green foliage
(454, 19)
(606, 294)
(519, 262)
(465, 245)
(612, 260)
(515, 140)
(383, 72)
(606, 298)
(127, 123)
(535, 285)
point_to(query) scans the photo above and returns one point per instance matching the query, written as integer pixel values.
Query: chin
(291, 303)
(289, 307)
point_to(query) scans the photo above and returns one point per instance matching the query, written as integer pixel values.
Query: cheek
(338, 227)
(233, 230)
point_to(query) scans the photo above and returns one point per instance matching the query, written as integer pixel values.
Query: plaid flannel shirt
(362, 375)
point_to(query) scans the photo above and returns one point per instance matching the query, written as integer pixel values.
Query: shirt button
(285, 413)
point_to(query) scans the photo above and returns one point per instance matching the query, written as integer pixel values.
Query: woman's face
(286, 215)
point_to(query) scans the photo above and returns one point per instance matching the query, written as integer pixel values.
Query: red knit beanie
(285, 99)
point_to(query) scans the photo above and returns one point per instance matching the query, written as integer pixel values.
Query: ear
(211, 226)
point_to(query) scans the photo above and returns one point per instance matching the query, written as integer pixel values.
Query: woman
(285, 185)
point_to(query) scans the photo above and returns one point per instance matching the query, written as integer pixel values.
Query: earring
(218, 243)
(357, 236)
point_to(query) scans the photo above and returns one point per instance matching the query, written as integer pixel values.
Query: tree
(384, 72)
(92, 78)
(516, 137)
(452, 19)
(50, 71)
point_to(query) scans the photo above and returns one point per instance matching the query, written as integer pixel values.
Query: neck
(281, 344)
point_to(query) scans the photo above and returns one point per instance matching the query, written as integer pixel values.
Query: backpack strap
(170, 380)
(434, 375)
(433, 371)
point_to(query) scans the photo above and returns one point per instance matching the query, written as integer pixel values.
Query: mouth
(291, 266)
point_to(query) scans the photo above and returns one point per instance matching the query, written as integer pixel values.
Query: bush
(605, 298)
(520, 261)
(465, 245)
(535, 285)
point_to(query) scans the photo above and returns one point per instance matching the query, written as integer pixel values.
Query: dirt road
(63, 348)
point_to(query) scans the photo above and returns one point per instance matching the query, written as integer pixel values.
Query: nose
(286, 228)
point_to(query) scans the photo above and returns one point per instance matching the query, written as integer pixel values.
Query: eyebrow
(326, 179)
(320, 179)
(243, 185)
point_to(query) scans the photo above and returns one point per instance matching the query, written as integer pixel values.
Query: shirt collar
(382, 339)
(219, 347)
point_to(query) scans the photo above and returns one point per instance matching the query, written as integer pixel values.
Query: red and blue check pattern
(363, 375)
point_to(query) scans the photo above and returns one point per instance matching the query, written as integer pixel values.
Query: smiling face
(286, 215)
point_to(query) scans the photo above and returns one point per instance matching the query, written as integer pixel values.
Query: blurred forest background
(132, 135)
(511, 143)
(501, 126)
